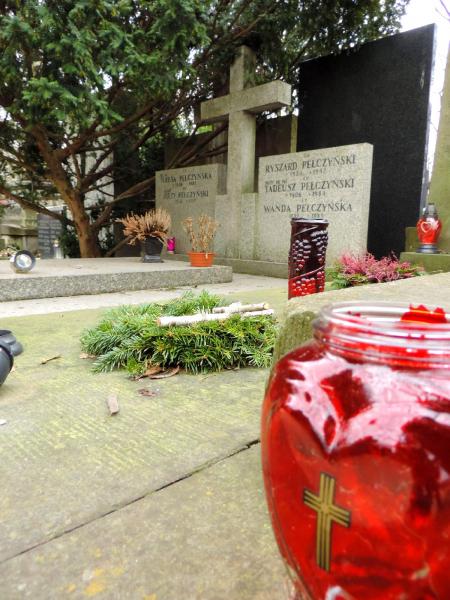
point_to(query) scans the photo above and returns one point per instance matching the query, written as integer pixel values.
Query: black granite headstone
(48, 231)
(377, 94)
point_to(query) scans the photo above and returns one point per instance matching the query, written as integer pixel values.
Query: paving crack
(204, 466)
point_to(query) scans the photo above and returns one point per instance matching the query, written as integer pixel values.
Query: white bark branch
(203, 317)
(237, 307)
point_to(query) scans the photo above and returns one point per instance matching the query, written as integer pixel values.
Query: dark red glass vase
(309, 239)
(356, 456)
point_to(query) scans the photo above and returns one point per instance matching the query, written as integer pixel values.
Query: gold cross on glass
(327, 512)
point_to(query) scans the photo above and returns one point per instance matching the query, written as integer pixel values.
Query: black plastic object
(6, 361)
(8, 339)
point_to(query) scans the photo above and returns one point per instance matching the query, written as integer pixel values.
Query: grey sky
(423, 12)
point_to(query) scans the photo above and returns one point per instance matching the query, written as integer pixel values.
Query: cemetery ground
(162, 501)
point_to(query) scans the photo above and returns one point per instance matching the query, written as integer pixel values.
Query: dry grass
(154, 223)
(201, 233)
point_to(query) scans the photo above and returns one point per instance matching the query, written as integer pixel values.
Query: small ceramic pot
(201, 259)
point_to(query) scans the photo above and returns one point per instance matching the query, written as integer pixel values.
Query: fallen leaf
(153, 370)
(165, 374)
(148, 373)
(148, 392)
(113, 404)
(85, 355)
(46, 360)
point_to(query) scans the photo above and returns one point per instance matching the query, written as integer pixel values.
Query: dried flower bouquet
(201, 234)
(154, 223)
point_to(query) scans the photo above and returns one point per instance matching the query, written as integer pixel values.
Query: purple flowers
(365, 268)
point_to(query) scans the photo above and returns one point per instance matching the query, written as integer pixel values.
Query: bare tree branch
(26, 204)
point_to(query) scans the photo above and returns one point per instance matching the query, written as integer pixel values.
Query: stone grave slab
(188, 192)
(432, 263)
(331, 183)
(69, 462)
(431, 290)
(83, 276)
(207, 537)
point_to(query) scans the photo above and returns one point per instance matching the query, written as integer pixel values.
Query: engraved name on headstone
(188, 192)
(330, 183)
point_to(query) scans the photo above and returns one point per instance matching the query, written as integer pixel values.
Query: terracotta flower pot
(201, 259)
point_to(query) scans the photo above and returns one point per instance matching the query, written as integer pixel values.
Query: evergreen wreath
(128, 337)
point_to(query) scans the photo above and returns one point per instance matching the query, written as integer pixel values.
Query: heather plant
(360, 269)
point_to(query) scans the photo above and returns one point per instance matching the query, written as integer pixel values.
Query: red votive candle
(356, 455)
(306, 261)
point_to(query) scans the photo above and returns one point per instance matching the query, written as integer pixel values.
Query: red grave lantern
(428, 230)
(356, 455)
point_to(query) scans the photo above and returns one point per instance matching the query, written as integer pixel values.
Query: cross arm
(268, 96)
(216, 109)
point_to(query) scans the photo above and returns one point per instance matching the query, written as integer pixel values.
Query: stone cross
(240, 107)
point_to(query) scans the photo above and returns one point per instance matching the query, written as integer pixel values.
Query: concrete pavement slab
(241, 284)
(66, 462)
(207, 537)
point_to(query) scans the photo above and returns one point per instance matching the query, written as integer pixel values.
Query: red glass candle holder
(309, 239)
(428, 230)
(356, 455)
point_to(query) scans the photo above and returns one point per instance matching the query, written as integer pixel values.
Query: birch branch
(237, 307)
(203, 317)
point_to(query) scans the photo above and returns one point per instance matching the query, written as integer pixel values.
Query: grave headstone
(48, 231)
(331, 183)
(188, 192)
(377, 94)
(440, 181)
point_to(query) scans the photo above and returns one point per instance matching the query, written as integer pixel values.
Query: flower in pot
(151, 229)
(201, 233)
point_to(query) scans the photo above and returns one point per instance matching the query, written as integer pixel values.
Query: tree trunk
(87, 238)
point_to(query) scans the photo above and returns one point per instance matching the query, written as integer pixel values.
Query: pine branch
(130, 337)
